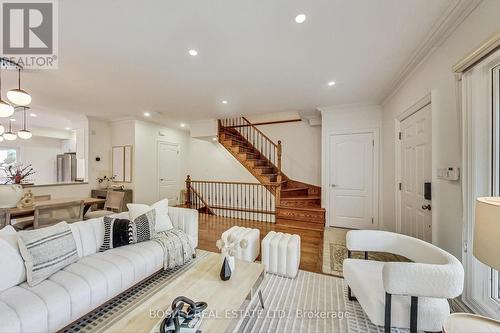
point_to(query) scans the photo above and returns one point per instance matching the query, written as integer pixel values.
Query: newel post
(279, 158)
(279, 178)
(188, 191)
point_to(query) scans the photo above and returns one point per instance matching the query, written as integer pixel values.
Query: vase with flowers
(228, 250)
(104, 181)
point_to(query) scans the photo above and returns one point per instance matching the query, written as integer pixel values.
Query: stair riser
(249, 155)
(300, 203)
(294, 193)
(261, 171)
(301, 215)
(300, 224)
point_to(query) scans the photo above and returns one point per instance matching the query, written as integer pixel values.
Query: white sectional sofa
(82, 286)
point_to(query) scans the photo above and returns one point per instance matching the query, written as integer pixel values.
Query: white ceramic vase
(10, 195)
(230, 260)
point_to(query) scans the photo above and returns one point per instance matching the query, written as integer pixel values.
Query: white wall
(99, 146)
(41, 153)
(435, 76)
(301, 149)
(346, 118)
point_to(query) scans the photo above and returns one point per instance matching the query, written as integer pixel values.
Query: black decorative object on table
(194, 309)
(225, 271)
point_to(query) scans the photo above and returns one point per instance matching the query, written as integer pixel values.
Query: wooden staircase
(297, 204)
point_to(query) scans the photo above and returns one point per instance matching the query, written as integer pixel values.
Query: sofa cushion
(10, 321)
(162, 219)
(89, 236)
(79, 291)
(13, 270)
(365, 279)
(46, 251)
(110, 271)
(57, 301)
(29, 308)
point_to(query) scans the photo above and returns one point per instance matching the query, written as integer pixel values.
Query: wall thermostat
(449, 173)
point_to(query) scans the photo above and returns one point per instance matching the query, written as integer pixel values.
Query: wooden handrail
(244, 200)
(229, 182)
(259, 131)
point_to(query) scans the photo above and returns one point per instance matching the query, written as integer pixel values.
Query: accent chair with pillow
(402, 294)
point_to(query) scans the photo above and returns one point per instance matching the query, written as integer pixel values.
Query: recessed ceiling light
(224, 102)
(331, 83)
(214, 139)
(301, 18)
(33, 115)
(67, 128)
(183, 125)
(193, 52)
(12, 119)
(147, 114)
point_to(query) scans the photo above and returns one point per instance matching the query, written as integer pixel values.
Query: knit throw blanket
(177, 250)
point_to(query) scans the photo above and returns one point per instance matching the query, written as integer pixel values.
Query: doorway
(414, 163)
(353, 180)
(168, 172)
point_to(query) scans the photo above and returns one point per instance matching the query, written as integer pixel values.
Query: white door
(415, 210)
(168, 172)
(351, 177)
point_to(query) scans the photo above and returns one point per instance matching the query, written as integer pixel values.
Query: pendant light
(9, 136)
(6, 110)
(19, 96)
(24, 133)
(2, 129)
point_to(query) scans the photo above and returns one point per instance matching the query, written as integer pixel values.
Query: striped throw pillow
(145, 226)
(117, 232)
(46, 251)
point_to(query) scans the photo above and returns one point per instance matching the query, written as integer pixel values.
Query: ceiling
(120, 58)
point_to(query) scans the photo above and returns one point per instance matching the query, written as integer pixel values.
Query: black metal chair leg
(413, 314)
(387, 322)
(349, 294)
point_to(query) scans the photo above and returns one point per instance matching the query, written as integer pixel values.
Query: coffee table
(200, 283)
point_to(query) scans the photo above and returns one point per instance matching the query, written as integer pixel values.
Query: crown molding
(454, 15)
(490, 45)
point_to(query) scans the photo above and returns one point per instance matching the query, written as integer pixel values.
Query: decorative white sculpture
(10, 195)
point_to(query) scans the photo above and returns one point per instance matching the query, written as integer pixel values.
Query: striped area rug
(309, 303)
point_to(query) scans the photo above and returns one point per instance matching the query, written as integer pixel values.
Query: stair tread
(294, 189)
(315, 209)
(302, 198)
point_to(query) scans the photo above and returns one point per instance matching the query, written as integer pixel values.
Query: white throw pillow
(11, 262)
(162, 221)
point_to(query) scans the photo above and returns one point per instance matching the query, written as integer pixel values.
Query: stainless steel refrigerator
(66, 167)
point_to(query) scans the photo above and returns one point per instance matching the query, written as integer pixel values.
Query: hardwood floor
(211, 228)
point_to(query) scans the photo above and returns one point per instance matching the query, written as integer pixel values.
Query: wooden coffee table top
(200, 283)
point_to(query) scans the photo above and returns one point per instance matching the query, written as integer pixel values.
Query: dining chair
(113, 204)
(4, 217)
(26, 222)
(52, 213)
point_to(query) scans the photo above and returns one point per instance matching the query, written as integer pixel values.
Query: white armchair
(402, 294)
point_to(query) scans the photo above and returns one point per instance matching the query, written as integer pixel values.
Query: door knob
(333, 185)
(161, 179)
(426, 207)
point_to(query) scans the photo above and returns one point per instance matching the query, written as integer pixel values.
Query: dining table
(27, 211)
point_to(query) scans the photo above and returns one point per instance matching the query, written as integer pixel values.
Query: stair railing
(251, 201)
(267, 148)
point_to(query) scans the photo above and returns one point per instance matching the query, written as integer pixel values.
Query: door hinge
(373, 143)
(399, 135)
(400, 186)
(372, 220)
